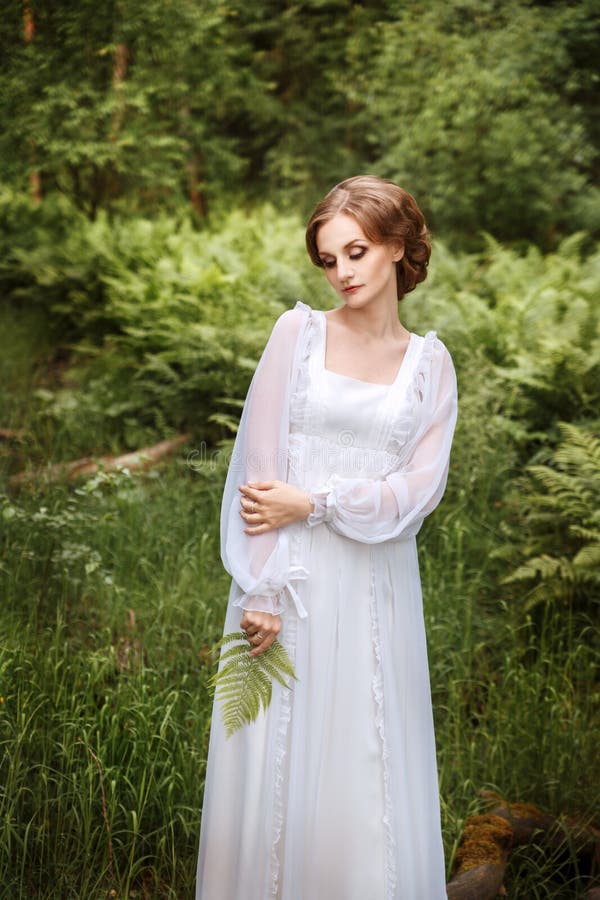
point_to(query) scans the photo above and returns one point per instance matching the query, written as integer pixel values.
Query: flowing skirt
(332, 794)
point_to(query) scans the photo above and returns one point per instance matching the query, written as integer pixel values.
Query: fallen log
(139, 459)
(479, 883)
(11, 434)
(488, 840)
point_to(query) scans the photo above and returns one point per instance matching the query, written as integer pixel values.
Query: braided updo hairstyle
(387, 214)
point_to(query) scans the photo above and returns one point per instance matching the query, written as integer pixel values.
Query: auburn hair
(387, 214)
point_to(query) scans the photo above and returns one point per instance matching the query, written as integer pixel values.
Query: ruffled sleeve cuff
(276, 602)
(323, 500)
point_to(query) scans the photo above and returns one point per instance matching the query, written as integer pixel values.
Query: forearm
(265, 506)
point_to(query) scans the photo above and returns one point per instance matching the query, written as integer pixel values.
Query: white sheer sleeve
(260, 564)
(371, 510)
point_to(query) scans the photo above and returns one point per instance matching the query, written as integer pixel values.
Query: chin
(356, 302)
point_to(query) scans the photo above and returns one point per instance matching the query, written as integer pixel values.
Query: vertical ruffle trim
(403, 433)
(300, 409)
(377, 683)
(285, 714)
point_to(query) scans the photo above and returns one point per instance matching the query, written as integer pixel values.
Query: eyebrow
(345, 247)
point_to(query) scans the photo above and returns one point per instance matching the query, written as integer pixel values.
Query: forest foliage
(484, 110)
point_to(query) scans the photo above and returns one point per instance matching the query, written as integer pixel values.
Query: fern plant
(244, 683)
(559, 534)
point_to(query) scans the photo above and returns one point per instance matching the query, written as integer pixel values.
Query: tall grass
(105, 713)
(105, 709)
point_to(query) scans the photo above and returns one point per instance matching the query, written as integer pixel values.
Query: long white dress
(332, 794)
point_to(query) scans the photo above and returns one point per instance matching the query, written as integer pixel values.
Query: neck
(375, 321)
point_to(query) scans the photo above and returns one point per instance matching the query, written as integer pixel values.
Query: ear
(398, 251)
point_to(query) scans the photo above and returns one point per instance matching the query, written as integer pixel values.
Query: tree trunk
(196, 197)
(35, 181)
(119, 73)
(120, 64)
(194, 165)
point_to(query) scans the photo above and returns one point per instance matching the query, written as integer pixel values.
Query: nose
(344, 270)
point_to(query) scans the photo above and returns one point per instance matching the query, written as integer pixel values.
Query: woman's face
(361, 272)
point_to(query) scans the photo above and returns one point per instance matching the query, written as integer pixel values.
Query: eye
(358, 253)
(328, 263)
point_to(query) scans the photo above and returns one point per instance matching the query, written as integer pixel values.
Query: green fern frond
(587, 562)
(230, 638)
(579, 447)
(556, 539)
(277, 660)
(563, 487)
(234, 652)
(586, 534)
(543, 567)
(244, 683)
(543, 593)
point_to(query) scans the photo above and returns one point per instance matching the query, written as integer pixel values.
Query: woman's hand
(272, 504)
(261, 629)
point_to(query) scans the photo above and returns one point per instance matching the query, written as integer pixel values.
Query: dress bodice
(348, 405)
(353, 427)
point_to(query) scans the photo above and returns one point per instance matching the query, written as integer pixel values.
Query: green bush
(474, 108)
(164, 323)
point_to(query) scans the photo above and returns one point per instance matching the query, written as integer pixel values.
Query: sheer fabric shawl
(366, 510)
(260, 565)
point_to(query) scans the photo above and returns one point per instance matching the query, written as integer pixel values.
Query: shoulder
(434, 349)
(442, 369)
(434, 366)
(291, 322)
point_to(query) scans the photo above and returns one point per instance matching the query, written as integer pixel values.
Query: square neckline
(379, 384)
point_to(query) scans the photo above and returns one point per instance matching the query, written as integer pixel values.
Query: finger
(253, 517)
(249, 507)
(256, 638)
(255, 489)
(253, 639)
(258, 529)
(250, 493)
(250, 631)
(264, 645)
(248, 621)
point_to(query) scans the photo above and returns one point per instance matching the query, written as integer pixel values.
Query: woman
(342, 451)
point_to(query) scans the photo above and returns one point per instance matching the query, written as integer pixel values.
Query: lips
(351, 289)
